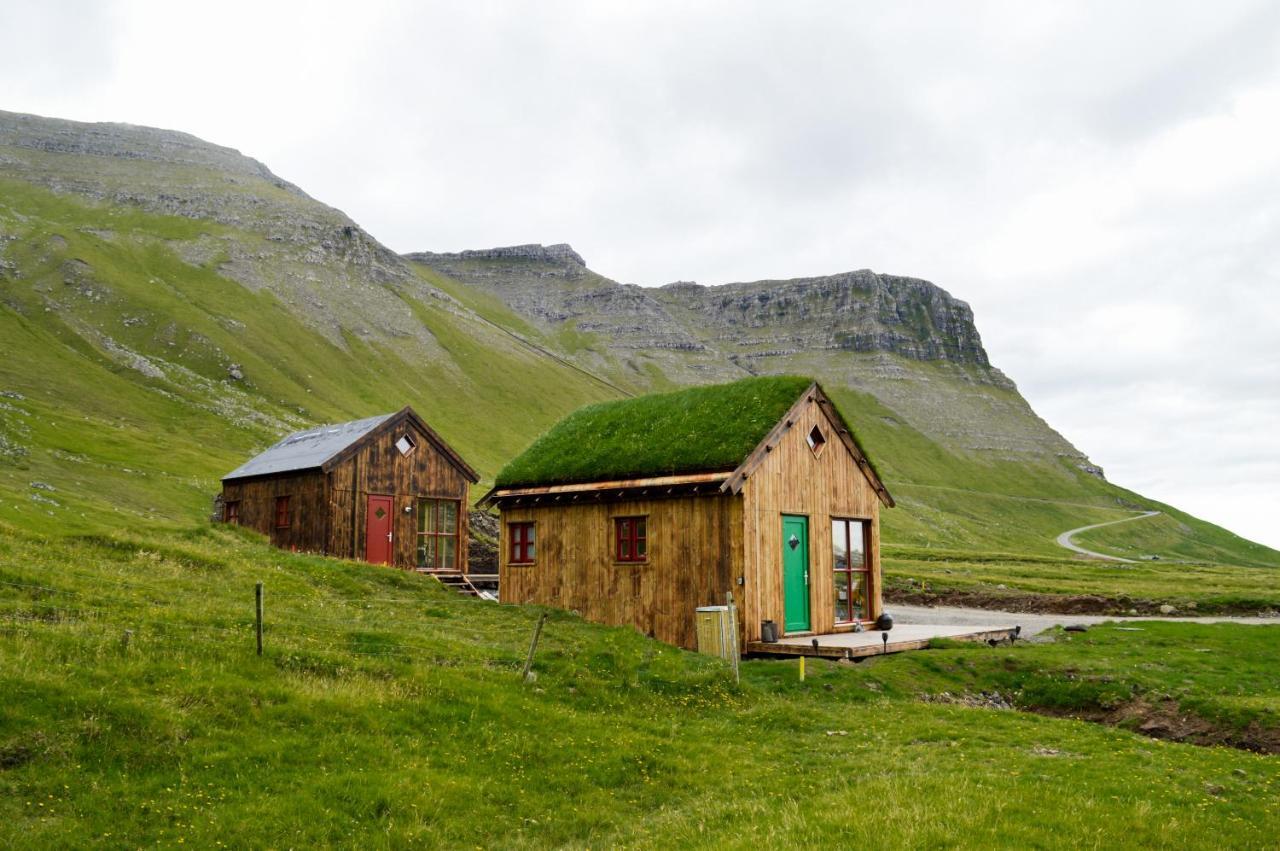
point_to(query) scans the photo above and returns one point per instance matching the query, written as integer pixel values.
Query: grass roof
(688, 431)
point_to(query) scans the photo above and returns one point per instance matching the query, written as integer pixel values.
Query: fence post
(257, 599)
(124, 640)
(533, 645)
(735, 655)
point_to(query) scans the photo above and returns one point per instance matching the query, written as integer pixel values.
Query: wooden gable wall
(378, 468)
(792, 480)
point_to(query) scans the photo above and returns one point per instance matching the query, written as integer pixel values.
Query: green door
(795, 572)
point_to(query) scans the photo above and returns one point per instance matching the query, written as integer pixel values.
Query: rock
(235, 372)
(1166, 609)
(43, 486)
(12, 394)
(1076, 627)
(1133, 612)
(1190, 605)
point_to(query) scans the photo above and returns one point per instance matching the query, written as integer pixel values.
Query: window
(630, 539)
(438, 534)
(231, 511)
(406, 445)
(282, 512)
(524, 544)
(852, 570)
(817, 440)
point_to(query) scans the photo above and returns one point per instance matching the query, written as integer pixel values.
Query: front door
(795, 572)
(377, 538)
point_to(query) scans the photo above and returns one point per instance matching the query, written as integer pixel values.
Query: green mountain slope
(168, 307)
(389, 712)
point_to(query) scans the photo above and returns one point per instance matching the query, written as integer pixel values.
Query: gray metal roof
(306, 450)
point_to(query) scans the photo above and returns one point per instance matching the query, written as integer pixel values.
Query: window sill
(617, 563)
(522, 564)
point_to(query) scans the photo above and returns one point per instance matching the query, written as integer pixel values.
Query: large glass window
(438, 534)
(852, 570)
(524, 543)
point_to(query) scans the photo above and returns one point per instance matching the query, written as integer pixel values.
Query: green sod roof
(688, 431)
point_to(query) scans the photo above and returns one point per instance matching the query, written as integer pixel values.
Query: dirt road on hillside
(1064, 540)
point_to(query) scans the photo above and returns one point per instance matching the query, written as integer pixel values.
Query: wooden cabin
(639, 511)
(386, 489)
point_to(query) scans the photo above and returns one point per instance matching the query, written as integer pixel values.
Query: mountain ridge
(165, 316)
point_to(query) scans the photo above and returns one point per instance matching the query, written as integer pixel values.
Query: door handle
(389, 541)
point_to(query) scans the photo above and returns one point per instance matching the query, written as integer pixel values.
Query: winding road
(1064, 540)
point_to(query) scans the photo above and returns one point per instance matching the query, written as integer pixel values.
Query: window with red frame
(231, 511)
(630, 537)
(282, 512)
(524, 543)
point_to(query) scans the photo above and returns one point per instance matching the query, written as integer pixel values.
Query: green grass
(1013, 582)
(693, 430)
(387, 712)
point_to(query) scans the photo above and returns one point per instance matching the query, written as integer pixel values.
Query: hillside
(389, 712)
(169, 306)
(972, 466)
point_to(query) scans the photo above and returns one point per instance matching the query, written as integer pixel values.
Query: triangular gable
(405, 414)
(737, 480)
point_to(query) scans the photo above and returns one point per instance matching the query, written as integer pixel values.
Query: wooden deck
(854, 645)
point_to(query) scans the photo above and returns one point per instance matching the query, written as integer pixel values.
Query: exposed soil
(1052, 604)
(1164, 719)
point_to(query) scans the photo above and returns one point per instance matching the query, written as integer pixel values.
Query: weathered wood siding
(792, 480)
(307, 508)
(379, 468)
(695, 556)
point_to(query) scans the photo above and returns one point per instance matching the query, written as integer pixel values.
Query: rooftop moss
(686, 431)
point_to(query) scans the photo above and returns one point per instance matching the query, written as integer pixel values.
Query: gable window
(231, 511)
(438, 534)
(817, 440)
(852, 569)
(406, 445)
(524, 544)
(282, 512)
(630, 539)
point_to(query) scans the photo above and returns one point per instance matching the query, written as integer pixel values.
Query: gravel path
(1064, 540)
(1035, 623)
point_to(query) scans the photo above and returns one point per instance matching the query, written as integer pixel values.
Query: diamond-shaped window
(380, 513)
(817, 440)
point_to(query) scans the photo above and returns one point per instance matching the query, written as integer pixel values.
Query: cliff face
(854, 311)
(903, 340)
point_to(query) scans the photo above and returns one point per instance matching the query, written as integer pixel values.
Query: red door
(377, 539)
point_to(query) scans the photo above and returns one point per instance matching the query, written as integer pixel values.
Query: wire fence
(294, 628)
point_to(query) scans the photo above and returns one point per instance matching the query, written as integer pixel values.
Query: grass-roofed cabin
(639, 511)
(385, 489)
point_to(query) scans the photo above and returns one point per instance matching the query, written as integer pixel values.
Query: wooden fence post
(533, 645)
(735, 654)
(257, 598)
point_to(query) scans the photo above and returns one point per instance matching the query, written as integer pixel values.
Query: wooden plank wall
(695, 556)
(307, 507)
(792, 480)
(379, 468)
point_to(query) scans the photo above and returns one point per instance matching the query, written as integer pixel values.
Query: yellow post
(801, 669)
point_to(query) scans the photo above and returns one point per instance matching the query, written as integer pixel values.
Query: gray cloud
(1099, 180)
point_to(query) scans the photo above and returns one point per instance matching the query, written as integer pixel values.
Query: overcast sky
(1100, 181)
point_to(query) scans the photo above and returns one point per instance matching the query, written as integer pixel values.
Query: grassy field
(1022, 583)
(387, 711)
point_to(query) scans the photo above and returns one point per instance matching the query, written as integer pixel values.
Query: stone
(235, 372)
(1166, 609)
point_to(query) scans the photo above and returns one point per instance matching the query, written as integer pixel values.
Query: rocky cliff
(905, 341)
